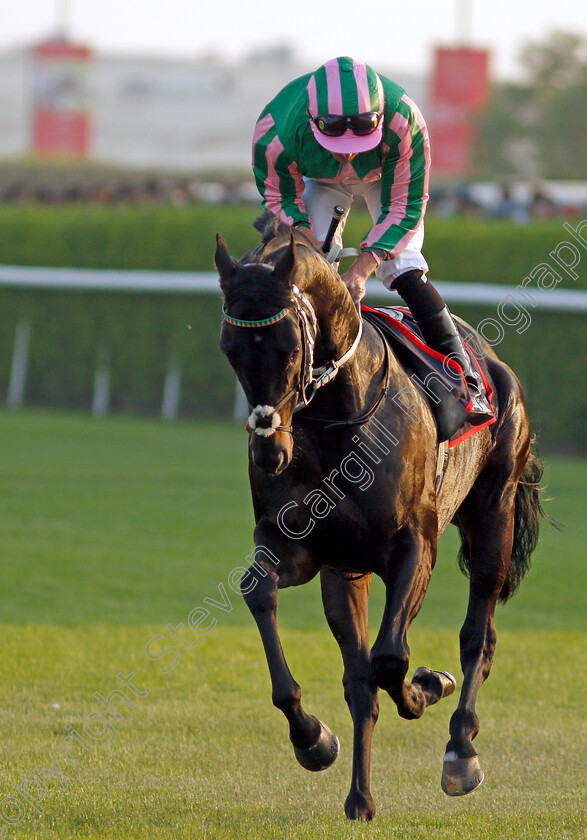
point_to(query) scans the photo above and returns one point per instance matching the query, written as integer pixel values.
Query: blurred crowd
(121, 189)
(519, 201)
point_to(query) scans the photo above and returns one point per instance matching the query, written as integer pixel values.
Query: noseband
(311, 378)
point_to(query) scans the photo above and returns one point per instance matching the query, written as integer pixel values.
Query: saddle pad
(447, 394)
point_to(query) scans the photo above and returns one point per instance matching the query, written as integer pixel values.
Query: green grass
(112, 529)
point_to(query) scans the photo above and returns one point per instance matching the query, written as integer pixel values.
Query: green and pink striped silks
(285, 151)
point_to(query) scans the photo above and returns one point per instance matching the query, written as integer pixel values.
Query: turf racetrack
(113, 529)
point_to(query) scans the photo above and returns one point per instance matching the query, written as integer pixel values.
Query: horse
(342, 468)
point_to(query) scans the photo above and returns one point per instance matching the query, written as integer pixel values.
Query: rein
(311, 378)
(362, 418)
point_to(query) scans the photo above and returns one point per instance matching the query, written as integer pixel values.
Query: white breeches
(320, 199)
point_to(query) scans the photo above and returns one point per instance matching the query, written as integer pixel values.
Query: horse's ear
(285, 265)
(224, 262)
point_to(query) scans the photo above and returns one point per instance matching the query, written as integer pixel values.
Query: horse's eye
(294, 355)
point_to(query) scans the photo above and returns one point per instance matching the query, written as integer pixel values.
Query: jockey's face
(344, 158)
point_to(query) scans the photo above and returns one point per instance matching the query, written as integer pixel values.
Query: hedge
(172, 238)
(135, 334)
(138, 333)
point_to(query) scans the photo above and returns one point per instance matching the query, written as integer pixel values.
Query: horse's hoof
(320, 755)
(460, 775)
(359, 806)
(436, 684)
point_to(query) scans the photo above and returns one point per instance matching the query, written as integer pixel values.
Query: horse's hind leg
(487, 518)
(345, 606)
(314, 744)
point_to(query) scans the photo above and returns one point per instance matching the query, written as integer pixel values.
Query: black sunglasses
(334, 125)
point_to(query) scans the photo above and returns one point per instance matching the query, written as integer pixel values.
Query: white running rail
(186, 282)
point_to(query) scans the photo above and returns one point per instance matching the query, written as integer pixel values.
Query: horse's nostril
(271, 461)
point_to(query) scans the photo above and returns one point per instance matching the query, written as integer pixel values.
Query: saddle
(436, 376)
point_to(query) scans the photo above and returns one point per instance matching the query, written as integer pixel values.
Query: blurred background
(125, 133)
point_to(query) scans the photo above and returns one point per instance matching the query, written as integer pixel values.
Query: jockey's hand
(357, 275)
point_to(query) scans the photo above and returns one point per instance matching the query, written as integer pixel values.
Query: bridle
(311, 378)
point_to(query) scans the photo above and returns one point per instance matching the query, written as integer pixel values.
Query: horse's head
(262, 337)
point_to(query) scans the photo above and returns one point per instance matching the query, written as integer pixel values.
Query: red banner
(60, 122)
(460, 88)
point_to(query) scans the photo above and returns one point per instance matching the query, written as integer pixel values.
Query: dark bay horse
(343, 455)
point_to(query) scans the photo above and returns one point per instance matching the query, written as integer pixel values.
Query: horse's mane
(270, 226)
(255, 283)
(255, 286)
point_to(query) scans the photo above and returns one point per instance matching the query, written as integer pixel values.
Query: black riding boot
(440, 332)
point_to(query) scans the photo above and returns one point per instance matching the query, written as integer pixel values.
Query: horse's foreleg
(314, 744)
(490, 548)
(345, 606)
(406, 575)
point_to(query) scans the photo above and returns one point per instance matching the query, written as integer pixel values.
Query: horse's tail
(527, 513)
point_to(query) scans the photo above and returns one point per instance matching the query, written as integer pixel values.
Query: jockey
(344, 131)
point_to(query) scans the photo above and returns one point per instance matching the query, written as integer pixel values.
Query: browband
(265, 322)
